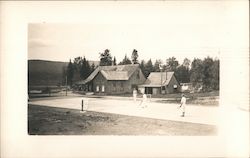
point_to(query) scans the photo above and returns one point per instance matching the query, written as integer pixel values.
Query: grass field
(178, 95)
(44, 120)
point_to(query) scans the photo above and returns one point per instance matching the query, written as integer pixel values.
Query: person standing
(183, 105)
(134, 94)
(144, 100)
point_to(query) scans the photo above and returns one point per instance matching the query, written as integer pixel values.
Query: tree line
(77, 70)
(198, 72)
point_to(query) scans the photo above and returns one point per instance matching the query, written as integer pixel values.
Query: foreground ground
(43, 120)
(126, 106)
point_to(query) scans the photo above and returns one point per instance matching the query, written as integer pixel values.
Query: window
(163, 87)
(175, 86)
(97, 88)
(103, 88)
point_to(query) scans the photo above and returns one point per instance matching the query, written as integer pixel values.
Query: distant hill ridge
(47, 73)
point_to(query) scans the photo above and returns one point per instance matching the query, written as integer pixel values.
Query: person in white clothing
(134, 94)
(144, 100)
(183, 105)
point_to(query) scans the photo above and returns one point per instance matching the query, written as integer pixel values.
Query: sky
(182, 29)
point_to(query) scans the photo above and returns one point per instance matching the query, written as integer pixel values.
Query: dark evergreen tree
(142, 66)
(88, 68)
(77, 64)
(186, 63)
(70, 73)
(215, 82)
(158, 66)
(64, 74)
(172, 64)
(148, 68)
(134, 56)
(105, 58)
(182, 74)
(125, 61)
(207, 73)
(196, 72)
(85, 69)
(114, 61)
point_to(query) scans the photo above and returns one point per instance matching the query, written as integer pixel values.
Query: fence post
(82, 105)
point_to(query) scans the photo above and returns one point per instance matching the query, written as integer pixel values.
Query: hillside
(47, 73)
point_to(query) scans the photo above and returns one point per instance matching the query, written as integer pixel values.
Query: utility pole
(161, 76)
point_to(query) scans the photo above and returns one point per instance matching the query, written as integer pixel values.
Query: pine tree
(172, 64)
(148, 68)
(85, 69)
(70, 73)
(182, 72)
(114, 61)
(215, 82)
(207, 73)
(157, 65)
(125, 61)
(142, 66)
(196, 72)
(64, 74)
(105, 58)
(134, 56)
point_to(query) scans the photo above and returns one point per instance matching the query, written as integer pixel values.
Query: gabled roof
(158, 79)
(115, 75)
(116, 72)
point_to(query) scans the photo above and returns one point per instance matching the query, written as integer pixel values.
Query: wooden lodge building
(160, 83)
(117, 79)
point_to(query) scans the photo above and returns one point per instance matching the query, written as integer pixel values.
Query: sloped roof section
(91, 77)
(116, 72)
(158, 79)
(115, 75)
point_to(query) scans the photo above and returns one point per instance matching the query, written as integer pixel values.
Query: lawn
(44, 120)
(203, 98)
(178, 95)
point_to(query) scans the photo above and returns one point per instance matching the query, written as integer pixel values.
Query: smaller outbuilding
(160, 83)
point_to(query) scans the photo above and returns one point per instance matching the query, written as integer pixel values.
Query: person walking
(183, 105)
(134, 94)
(144, 100)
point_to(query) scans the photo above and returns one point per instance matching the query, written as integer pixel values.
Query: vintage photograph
(116, 79)
(124, 79)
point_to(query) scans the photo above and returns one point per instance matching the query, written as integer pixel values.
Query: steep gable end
(159, 79)
(116, 72)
